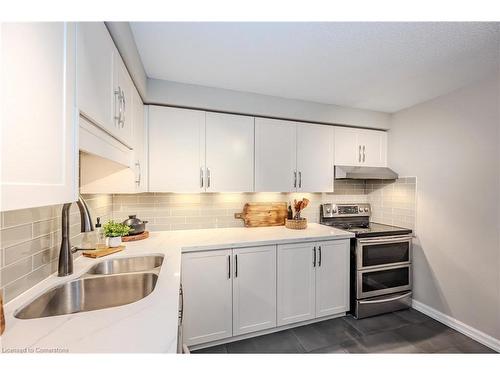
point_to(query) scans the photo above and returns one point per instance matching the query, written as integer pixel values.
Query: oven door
(383, 251)
(384, 280)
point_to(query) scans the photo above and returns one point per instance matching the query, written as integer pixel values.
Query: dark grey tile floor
(407, 331)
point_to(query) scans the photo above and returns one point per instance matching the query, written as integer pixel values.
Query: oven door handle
(385, 240)
(401, 296)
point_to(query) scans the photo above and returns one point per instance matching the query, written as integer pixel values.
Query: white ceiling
(377, 66)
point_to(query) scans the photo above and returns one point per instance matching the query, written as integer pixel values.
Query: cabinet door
(38, 117)
(254, 289)
(332, 278)
(315, 158)
(275, 155)
(176, 150)
(206, 283)
(347, 149)
(373, 147)
(123, 101)
(229, 152)
(95, 74)
(296, 283)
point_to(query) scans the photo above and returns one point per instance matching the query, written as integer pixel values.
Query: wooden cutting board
(136, 237)
(102, 252)
(264, 214)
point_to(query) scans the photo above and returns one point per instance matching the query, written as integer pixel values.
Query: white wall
(186, 95)
(451, 144)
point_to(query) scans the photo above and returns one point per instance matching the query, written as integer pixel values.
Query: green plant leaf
(114, 229)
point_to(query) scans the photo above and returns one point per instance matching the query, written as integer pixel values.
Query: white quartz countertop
(148, 325)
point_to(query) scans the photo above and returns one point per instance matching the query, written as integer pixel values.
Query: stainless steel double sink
(110, 283)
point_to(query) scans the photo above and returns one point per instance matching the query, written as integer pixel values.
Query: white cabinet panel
(95, 56)
(315, 158)
(332, 278)
(38, 137)
(347, 151)
(176, 150)
(373, 147)
(296, 283)
(207, 287)
(275, 155)
(254, 289)
(229, 153)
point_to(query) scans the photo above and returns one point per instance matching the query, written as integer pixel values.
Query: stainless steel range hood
(364, 173)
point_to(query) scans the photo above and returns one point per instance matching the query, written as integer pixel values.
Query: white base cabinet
(254, 289)
(313, 280)
(332, 278)
(207, 289)
(237, 292)
(295, 283)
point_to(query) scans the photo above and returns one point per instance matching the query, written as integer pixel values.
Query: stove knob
(366, 209)
(334, 211)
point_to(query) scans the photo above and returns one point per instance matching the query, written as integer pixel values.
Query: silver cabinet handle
(229, 266)
(181, 309)
(359, 153)
(314, 256)
(209, 174)
(201, 177)
(294, 179)
(138, 166)
(236, 265)
(118, 95)
(124, 108)
(319, 259)
(364, 155)
(300, 179)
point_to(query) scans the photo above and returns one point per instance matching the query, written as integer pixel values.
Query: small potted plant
(114, 232)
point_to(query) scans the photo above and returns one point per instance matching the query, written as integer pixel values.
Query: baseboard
(457, 325)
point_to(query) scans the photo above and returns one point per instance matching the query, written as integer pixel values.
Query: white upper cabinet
(95, 55)
(292, 156)
(105, 89)
(360, 147)
(275, 155)
(123, 89)
(229, 153)
(38, 116)
(373, 148)
(314, 158)
(176, 150)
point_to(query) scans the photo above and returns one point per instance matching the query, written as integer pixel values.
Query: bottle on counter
(100, 237)
(289, 215)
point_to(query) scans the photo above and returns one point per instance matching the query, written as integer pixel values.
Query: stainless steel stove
(381, 271)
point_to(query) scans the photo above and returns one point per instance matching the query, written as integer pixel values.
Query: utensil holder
(296, 224)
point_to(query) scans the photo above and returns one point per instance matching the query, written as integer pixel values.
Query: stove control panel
(345, 210)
